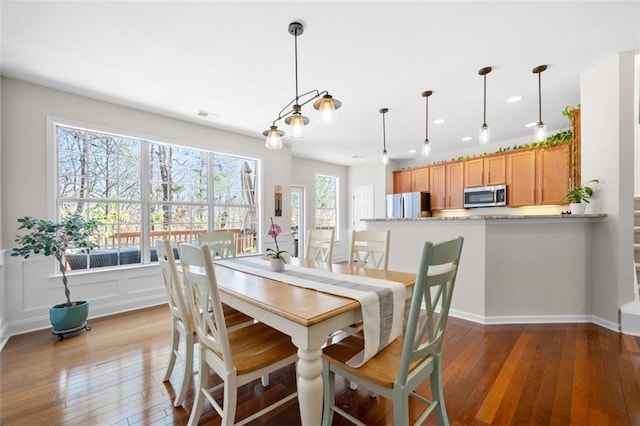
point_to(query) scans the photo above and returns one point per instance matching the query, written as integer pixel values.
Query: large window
(142, 191)
(327, 203)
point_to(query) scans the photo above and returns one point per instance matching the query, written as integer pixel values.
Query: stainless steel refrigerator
(408, 205)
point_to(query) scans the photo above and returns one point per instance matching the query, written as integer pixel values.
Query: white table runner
(382, 301)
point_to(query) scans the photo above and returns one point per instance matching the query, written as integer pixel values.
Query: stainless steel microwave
(485, 196)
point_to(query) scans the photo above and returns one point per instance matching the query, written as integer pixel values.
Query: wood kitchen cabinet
(474, 173)
(420, 179)
(455, 185)
(553, 174)
(402, 181)
(538, 176)
(521, 178)
(486, 171)
(533, 177)
(437, 187)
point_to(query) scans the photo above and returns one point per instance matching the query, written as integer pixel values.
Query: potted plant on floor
(578, 197)
(55, 239)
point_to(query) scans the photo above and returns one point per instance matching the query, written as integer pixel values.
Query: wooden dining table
(307, 315)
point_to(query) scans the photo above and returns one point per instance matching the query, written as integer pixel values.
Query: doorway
(297, 220)
(362, 206)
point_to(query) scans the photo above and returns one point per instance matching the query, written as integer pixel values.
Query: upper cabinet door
(521, 178)
(474, 173)
(553, 174)
(402, 181)
(420, 179)
(437, 178)
(495, 170)
(455, 185)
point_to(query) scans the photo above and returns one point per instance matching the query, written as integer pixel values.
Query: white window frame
(52, 186)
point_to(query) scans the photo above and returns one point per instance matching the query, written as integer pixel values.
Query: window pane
(326, 202)
(100, 176)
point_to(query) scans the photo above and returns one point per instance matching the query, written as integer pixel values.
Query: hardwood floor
(509, 374)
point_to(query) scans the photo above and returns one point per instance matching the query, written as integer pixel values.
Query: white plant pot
(277, 265)
(577, 208)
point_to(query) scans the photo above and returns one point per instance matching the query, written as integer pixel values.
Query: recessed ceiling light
(439, 121)
(514, 99)
(466, 139)
(412, 151)
(207, 114)
(532, 124)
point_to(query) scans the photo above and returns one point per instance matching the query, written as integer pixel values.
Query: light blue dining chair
(397, 370)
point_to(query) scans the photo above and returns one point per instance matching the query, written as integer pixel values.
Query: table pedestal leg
(310, 391)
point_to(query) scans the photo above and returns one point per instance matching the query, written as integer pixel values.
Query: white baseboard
(4, 333)
(536, 319)
(42, 322)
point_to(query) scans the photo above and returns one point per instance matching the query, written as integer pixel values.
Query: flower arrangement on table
(274, 231)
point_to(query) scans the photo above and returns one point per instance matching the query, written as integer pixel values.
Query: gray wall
(607, 93)
(25, 177)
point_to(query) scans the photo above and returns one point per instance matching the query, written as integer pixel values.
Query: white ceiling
(236, 59)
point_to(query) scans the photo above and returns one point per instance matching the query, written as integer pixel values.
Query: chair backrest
(370, 249)
(434, 289)
(222, 244)
(173, 284)
(319, 245)
(206, 308)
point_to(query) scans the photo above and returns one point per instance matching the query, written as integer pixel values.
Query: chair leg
(329, 379)
(202, 382)
(400, 407)
(188, 370)
(438, 393)
(175, 342)
(230, 401)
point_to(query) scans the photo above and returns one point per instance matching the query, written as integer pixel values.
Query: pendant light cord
(426, 120)
(539, 98)
(384, 133)
(295, 38)
(484, 113)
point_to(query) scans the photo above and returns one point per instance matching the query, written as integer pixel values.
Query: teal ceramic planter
(68, 318)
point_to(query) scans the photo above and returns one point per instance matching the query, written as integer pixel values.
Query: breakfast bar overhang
(515, 269)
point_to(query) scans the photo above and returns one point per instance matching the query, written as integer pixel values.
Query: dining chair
(223, 244)
(370, 249)
(182, 327)
(397, 370)
(319, 245)
(237, 358)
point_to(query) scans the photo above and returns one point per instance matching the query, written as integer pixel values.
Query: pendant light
(540, 131)
(274, 138)
(292, 112)
(426, 145)
(485, 132)
(385, 156)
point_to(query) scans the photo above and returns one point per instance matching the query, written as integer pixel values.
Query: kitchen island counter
(513, 269)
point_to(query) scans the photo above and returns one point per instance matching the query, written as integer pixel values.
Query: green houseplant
(578, 196)
(51, 238)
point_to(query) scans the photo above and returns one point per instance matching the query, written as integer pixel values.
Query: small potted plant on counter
(578, 197)
(55, 239)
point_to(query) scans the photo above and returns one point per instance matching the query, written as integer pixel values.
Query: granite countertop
(494, 216)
